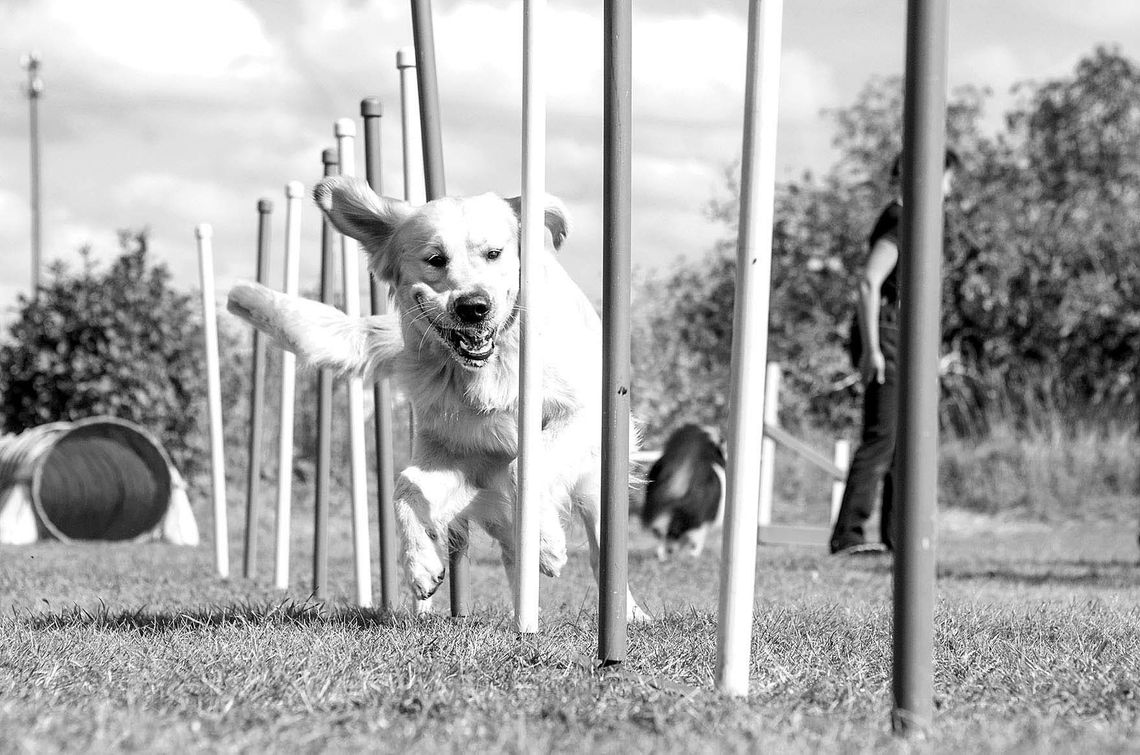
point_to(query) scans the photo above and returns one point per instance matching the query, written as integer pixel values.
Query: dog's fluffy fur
(685, 495)
(452, 345)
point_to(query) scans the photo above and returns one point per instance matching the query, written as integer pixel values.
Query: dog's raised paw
(551, 561)
(251, 302)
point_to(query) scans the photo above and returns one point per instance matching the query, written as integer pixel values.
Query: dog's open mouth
(472, 347)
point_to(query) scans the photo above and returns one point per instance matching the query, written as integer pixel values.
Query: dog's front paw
(551, 557)
(425, 573)
(253, 303)
(551, 546)
(424, 584)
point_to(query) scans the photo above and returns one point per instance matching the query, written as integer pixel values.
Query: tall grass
(1048, 470)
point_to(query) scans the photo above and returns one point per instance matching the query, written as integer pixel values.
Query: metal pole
(412, 157)
(749, 346)
(35, 89)
(409, 126)
(293, 192)
(924, 143)
(204, 233)
(256, 402)
(617, 69)
(430, 129)
(532, 236)
(432, 145)
(324, 408)
(371, 111)
(358, 465)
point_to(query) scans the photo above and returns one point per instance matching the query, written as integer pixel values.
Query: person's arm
(882, 260)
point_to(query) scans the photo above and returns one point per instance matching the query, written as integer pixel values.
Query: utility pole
(35, 89)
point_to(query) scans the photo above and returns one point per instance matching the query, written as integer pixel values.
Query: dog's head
(453, 263)
(685, 494)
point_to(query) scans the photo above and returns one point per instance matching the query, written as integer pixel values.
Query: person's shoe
(860, 549)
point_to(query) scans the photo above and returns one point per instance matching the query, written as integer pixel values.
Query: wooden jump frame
(835, 468)
(774, 435)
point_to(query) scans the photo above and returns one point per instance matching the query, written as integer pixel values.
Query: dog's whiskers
(431, 325)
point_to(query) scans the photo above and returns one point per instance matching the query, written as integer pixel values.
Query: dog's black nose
(473, 308)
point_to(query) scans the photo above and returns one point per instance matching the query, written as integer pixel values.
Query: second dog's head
(453, 263)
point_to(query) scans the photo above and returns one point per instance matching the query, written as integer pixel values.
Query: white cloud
(1106, 16)
(190, 199)
(689, 67)
(133, 46)
(807, 86)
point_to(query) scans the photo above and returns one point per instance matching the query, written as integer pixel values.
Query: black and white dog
(685, 495)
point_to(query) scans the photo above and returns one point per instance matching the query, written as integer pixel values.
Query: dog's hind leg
(588, 502)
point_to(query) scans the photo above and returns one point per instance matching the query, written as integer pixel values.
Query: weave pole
(345, 138)
(916, 476)
(371, 111)
(293, 192)
(256, 402)
(749, 346)
(324, 408)
(204, 234)
(532, 237)
(432, 145)
(613, 576)
(409, 126)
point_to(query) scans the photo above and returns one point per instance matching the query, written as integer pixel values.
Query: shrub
(119, 342)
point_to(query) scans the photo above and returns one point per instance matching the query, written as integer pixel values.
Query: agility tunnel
(99, 478)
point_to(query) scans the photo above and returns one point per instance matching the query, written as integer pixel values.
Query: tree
(119, 342)
(1041, 267)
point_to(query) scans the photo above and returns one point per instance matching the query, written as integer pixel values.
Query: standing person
(874, 348)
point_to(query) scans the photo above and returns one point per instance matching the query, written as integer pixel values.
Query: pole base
(908, 725)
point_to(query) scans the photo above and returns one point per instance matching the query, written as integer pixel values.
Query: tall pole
(617, 67)
(916, 477)
(204, 233)
(410, 126)
(532, 238)
(35, 90)
(371, 111)
(749, 346)
(324, 408)
(412, 157)
(431, 138)
(256, 402)
(293, 193)
(358, 465)
(432, 145)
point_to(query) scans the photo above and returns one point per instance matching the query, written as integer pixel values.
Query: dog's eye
(493, 254)
(437, 260)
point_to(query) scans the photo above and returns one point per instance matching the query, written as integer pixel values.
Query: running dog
(685, 495)
(452, 345)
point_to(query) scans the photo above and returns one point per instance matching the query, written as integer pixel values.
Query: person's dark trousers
(871, 465)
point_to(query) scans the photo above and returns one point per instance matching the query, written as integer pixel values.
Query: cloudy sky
(168, 113)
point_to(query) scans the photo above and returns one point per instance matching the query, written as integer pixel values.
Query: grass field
(138, 647)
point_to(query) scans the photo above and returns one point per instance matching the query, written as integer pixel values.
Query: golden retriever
(452, 345)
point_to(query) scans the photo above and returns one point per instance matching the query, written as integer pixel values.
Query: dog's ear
(557, 218)
(357, 211)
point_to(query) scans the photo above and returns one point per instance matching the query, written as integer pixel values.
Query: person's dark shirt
(887, 227)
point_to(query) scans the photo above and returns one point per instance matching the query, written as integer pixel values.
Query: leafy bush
(119, 342)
